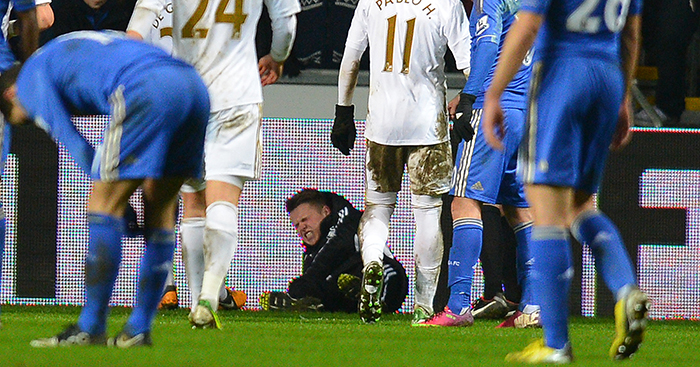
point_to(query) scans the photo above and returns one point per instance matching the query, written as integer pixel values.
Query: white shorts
(233, 145)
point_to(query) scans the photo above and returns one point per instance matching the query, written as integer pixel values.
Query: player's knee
(374, 198)
(465, 208)
(229, 179)
(222, 216)
(426, 202)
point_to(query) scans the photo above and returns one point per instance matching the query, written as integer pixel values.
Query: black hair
(307, 196)
(7, 79)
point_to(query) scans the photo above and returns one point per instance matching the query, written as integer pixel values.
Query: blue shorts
(487, 175)
(574, 106)
(157, 128)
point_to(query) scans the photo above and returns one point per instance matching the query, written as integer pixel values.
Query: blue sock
(101, 269)
(157, 259)
(524, 264)
(611, 258)
(551, 273)
(466, 247)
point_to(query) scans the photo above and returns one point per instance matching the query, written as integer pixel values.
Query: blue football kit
(159, 108)
(158, 105)
(482, 173)
(577, 91)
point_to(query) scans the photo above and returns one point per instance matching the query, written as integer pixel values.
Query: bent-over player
(159, 108)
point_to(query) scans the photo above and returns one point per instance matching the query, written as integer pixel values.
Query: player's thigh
(511, 191)
(478, 167)
(430, 169)
(160, 197)
(111, 197)
(384, 166)
(234, 142)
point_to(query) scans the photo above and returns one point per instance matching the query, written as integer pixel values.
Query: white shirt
(161, 33)
(407, 104)
(219, 43)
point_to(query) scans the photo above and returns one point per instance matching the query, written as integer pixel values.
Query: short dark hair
(307, 196)
(7, 79)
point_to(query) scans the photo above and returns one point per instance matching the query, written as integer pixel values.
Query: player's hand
(462, 126)
(452, 107)
(133, 228)
(134, 35)
(492, 120)
(270, 70)
(343, 134)
(623, 134)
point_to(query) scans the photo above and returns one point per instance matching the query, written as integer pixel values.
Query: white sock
(220, 242)
(170, 280)
(192, 232)
(374, 226)
(427, 248)
(223, 293)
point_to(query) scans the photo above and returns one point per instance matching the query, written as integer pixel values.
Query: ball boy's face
(306, 219)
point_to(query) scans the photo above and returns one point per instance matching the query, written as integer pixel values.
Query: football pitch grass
(256, 338)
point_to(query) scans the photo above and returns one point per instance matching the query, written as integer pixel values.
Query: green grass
(251, 338)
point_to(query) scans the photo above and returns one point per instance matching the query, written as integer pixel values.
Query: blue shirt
(76, 74)
(489, 23)
(581, 28)
(7, 58)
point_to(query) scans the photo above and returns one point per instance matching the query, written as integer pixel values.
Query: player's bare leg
(551, 208)
(615, 266)
(374, 232)
(427, 248)
(192, 236)
(106, 207)
(464, 253)
(220, 243)
(528, 313)
(160, 205)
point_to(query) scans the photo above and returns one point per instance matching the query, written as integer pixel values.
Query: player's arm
(44, 14)
(283, 34)
(344, 131)
(629, 52)
(29, 29)
(519, 40)
(145, 13)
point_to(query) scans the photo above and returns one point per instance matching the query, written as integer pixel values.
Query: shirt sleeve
(457, 32)
(145, 13)
(23, 5)
(536, 6)
(45, 106)
(636, 7)
(486, 38)
(282, 8)
(358, 38)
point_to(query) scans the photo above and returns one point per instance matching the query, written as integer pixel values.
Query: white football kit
(218, 38)
(161, 33)
(407, 122)
(408, 40)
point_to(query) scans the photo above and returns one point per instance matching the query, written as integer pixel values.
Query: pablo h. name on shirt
(381, 4)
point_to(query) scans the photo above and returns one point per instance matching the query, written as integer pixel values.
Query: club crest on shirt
(482, 25)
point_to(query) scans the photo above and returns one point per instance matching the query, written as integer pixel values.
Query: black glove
(133, 229)
(462, 126)
(343, 134)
